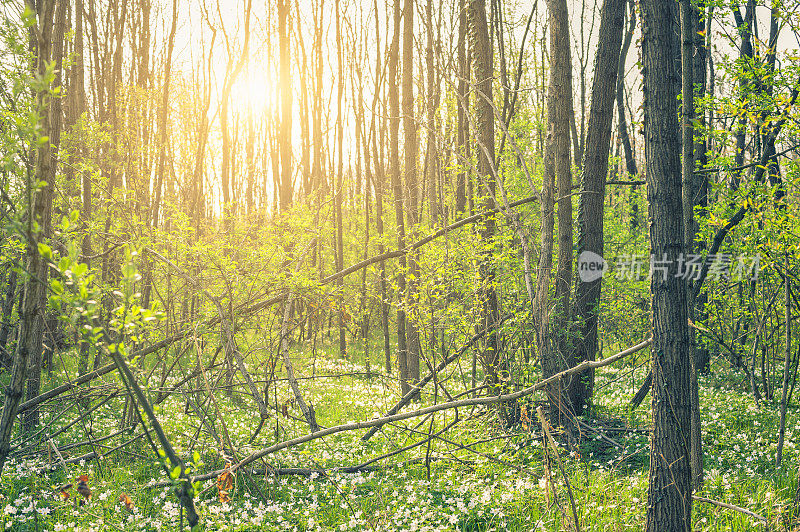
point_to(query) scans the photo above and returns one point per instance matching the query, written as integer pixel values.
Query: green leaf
(45, 251)
(175, 473)
(56, 286)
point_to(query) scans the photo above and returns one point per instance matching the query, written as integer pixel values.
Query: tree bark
(484, 130)
(397, 189)
(786, 363)
(688, 32)
(669, 494)
(40, 202)
(379, 193)
(554, 337)
(591, 200)
(339, 191)
(47, 162)
(410, 149)
(462, 106)
(624, 136)
(286, 188)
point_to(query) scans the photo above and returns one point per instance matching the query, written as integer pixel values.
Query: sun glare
(253, 92)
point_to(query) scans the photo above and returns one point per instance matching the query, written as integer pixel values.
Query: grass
(465, 491)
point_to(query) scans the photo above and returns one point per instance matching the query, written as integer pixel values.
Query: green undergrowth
(500, 482)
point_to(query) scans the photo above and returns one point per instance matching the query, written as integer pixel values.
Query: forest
(465, 265)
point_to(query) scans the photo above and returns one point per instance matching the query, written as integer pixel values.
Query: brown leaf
(126, 500)
(225, 483)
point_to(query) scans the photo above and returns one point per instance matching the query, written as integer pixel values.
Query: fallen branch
(358, 425)
(416, 388)
(731, 507)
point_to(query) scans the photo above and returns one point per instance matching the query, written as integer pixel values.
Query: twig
(731, 507)
(549, 438)
(416, 388)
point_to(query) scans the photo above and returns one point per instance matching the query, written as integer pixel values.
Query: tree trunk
(786, 363)
(744, 26)
(432, 97)
(624, 136)
(484, 131)
(688, 32)
(5, 322)
(412, 186)
(670, 494)
(379, 192)
(40, 201)
(558, 170)
(230, 79)
(397, 189)
(462, 106)
(47, 161)
(700, 180)
(286, 188)
(591, 200)
(340, 176)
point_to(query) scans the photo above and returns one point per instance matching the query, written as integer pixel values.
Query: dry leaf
(225, 483)
(83, 489)
(125, 499)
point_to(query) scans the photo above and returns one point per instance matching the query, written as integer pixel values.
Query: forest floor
(493, 479)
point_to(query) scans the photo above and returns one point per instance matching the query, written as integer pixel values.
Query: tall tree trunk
(700, 181)
(47, 161)
(164, 118)
(688, 32)
(484, 130)
(224, 118)
(410, 167)
(624, 136)
(147, 280)
(339, 175)
(305, 110)
(319, 182)
(397, 189)
(39, 208)
(670, 489)
(462, 106)
(286, 187)
(78, 95)
(560, 114)
(591, 200)
(744, 26)
(432, 97)
(787, 354)
(379, 188)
